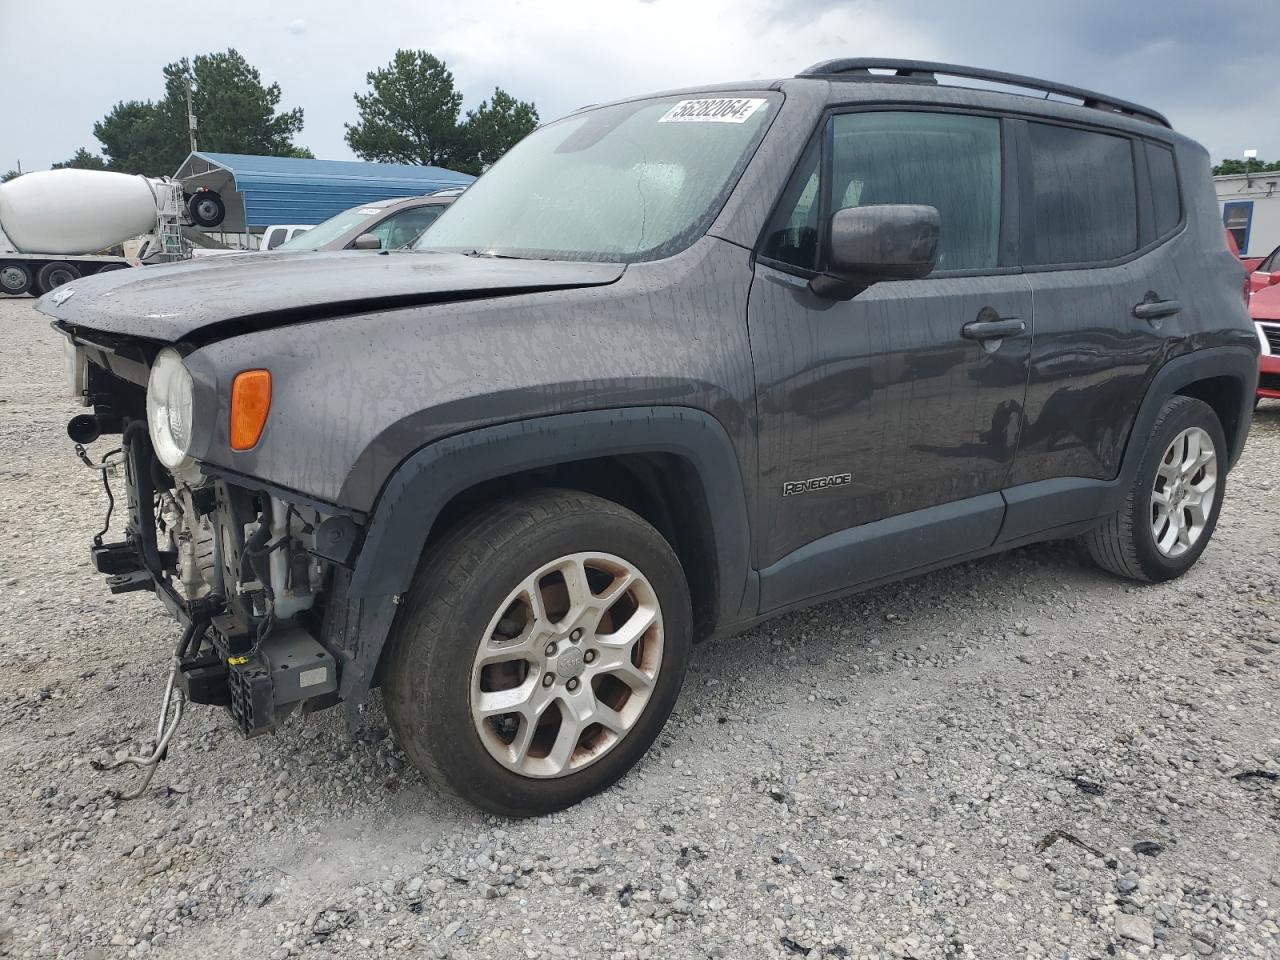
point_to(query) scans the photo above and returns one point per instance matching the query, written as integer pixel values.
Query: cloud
(1210, 68)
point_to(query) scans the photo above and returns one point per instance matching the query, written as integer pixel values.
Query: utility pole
(1248, 155)
(191, 118)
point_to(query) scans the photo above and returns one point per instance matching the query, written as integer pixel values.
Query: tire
(15, 279)
(54, 274)
(1126, 542)
(109, 267)
(206, 209)
(459, 602)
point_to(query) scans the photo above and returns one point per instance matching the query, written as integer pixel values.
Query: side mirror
(366, 241)
(892, 241)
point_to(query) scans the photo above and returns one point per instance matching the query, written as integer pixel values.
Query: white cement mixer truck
(56, 225)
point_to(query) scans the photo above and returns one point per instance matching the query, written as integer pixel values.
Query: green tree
(10, 175)
(411, 114)
(82, 159)
(1233, 166)
(236, 113)
(135, 139)
(494, 127)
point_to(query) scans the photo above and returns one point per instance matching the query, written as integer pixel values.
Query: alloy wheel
(1183, 494)
(566, 665)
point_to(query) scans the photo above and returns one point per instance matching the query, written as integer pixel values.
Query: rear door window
(1084, 200)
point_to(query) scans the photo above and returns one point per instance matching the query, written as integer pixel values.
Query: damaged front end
(246, 568)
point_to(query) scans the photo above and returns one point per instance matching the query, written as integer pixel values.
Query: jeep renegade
(673, 366)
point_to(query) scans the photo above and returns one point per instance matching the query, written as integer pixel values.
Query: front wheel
(1173, 504)
(539, 652)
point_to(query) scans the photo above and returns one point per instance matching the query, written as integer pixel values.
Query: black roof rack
(925, 71)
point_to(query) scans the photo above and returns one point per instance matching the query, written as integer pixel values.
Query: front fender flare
(412, 498)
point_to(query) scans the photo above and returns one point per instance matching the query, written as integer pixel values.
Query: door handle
(993, 329)
(1155, 309)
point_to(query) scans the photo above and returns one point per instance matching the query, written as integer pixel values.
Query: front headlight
(169, 408)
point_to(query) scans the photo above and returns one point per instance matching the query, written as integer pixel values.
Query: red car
(1264, 307)
(1266, 272)
(1250, 263)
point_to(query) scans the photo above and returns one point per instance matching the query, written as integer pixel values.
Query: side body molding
(363, 606)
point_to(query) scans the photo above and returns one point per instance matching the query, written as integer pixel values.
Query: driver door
(886, 430)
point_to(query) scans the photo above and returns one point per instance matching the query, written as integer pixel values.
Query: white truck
(55, 224)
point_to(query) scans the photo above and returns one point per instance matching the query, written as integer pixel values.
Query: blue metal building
(260, 191)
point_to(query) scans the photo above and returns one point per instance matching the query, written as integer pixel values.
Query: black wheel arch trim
(1239, 363)
(414, 495)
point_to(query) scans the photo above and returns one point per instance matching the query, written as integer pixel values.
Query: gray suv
(674, 365)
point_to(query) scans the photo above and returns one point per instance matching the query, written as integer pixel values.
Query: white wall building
(1251, 210)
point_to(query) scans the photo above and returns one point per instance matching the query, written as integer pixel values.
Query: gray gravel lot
(1019, 757)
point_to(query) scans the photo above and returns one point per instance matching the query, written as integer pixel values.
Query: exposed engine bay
(238, 567)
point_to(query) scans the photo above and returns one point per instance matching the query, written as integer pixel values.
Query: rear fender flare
(1059, 506)
(1239, 363)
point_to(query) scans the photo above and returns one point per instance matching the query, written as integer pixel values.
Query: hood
(204, 300)
(1264, 304)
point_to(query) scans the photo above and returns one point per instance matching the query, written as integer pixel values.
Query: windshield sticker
(723, 110)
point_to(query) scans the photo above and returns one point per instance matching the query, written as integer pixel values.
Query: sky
(1212, 68)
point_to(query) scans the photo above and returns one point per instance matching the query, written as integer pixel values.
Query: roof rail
(925, 71)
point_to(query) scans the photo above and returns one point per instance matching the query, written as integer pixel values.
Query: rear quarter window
(1164, 188)
(1084, 196)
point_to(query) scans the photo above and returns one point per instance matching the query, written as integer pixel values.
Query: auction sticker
(720, 110)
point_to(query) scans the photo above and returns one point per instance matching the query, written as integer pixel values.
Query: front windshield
(634, 181)
(331, 229)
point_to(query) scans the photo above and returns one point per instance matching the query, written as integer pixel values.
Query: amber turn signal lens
(250, 404)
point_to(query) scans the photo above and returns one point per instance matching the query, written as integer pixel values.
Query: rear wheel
(1173, 504)
(15, 278)
(539, 652)
(55, 274)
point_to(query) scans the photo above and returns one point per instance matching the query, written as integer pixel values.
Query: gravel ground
(1018, 757)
